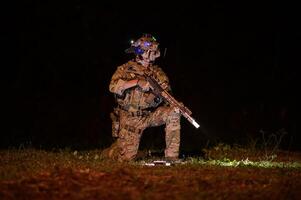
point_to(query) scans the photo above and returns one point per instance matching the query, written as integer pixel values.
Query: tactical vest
(134, 99)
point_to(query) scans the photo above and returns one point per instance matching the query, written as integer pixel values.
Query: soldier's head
(145, 48)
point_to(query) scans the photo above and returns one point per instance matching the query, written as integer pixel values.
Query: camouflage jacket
(134, 98)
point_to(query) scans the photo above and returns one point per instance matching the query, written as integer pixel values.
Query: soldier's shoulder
(157, 68)
(127, 65)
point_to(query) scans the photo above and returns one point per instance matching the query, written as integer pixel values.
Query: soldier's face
(151, 55)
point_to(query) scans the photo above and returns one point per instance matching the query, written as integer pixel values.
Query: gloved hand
(176, 109)
(164, 86)
(143, 84)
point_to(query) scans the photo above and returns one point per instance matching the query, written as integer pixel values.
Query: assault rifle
(159, 91)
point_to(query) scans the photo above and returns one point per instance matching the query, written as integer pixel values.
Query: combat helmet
(144, 44)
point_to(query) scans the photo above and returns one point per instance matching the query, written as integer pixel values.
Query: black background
(233, 64)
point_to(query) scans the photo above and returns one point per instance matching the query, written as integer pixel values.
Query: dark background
(233, 64)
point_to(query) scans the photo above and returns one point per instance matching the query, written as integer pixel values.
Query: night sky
(233, 64)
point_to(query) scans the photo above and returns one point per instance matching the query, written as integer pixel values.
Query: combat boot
(111, 152)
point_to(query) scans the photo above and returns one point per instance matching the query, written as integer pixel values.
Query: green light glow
(246, 163)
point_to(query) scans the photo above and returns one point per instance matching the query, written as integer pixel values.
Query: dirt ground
(32, 174)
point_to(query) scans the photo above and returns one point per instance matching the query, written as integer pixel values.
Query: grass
(224, 172)
(245, 163)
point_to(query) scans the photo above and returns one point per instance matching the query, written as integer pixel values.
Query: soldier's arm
(121, 80)
(123, 85)
(162, 79)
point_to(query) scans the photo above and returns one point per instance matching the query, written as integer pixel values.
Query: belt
(138, 113)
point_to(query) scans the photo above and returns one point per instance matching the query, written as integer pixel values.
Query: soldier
(138, 108)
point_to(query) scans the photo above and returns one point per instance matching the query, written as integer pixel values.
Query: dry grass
(65, 174)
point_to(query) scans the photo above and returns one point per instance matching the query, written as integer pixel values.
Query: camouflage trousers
(132, 127)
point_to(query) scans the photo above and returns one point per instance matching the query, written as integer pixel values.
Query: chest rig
(134, 99)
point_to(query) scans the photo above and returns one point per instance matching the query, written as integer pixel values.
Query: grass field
(223, 172)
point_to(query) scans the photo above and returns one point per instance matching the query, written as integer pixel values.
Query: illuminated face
(150, 55)
(146, 48)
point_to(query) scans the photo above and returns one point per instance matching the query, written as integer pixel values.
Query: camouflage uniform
(137, 110)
